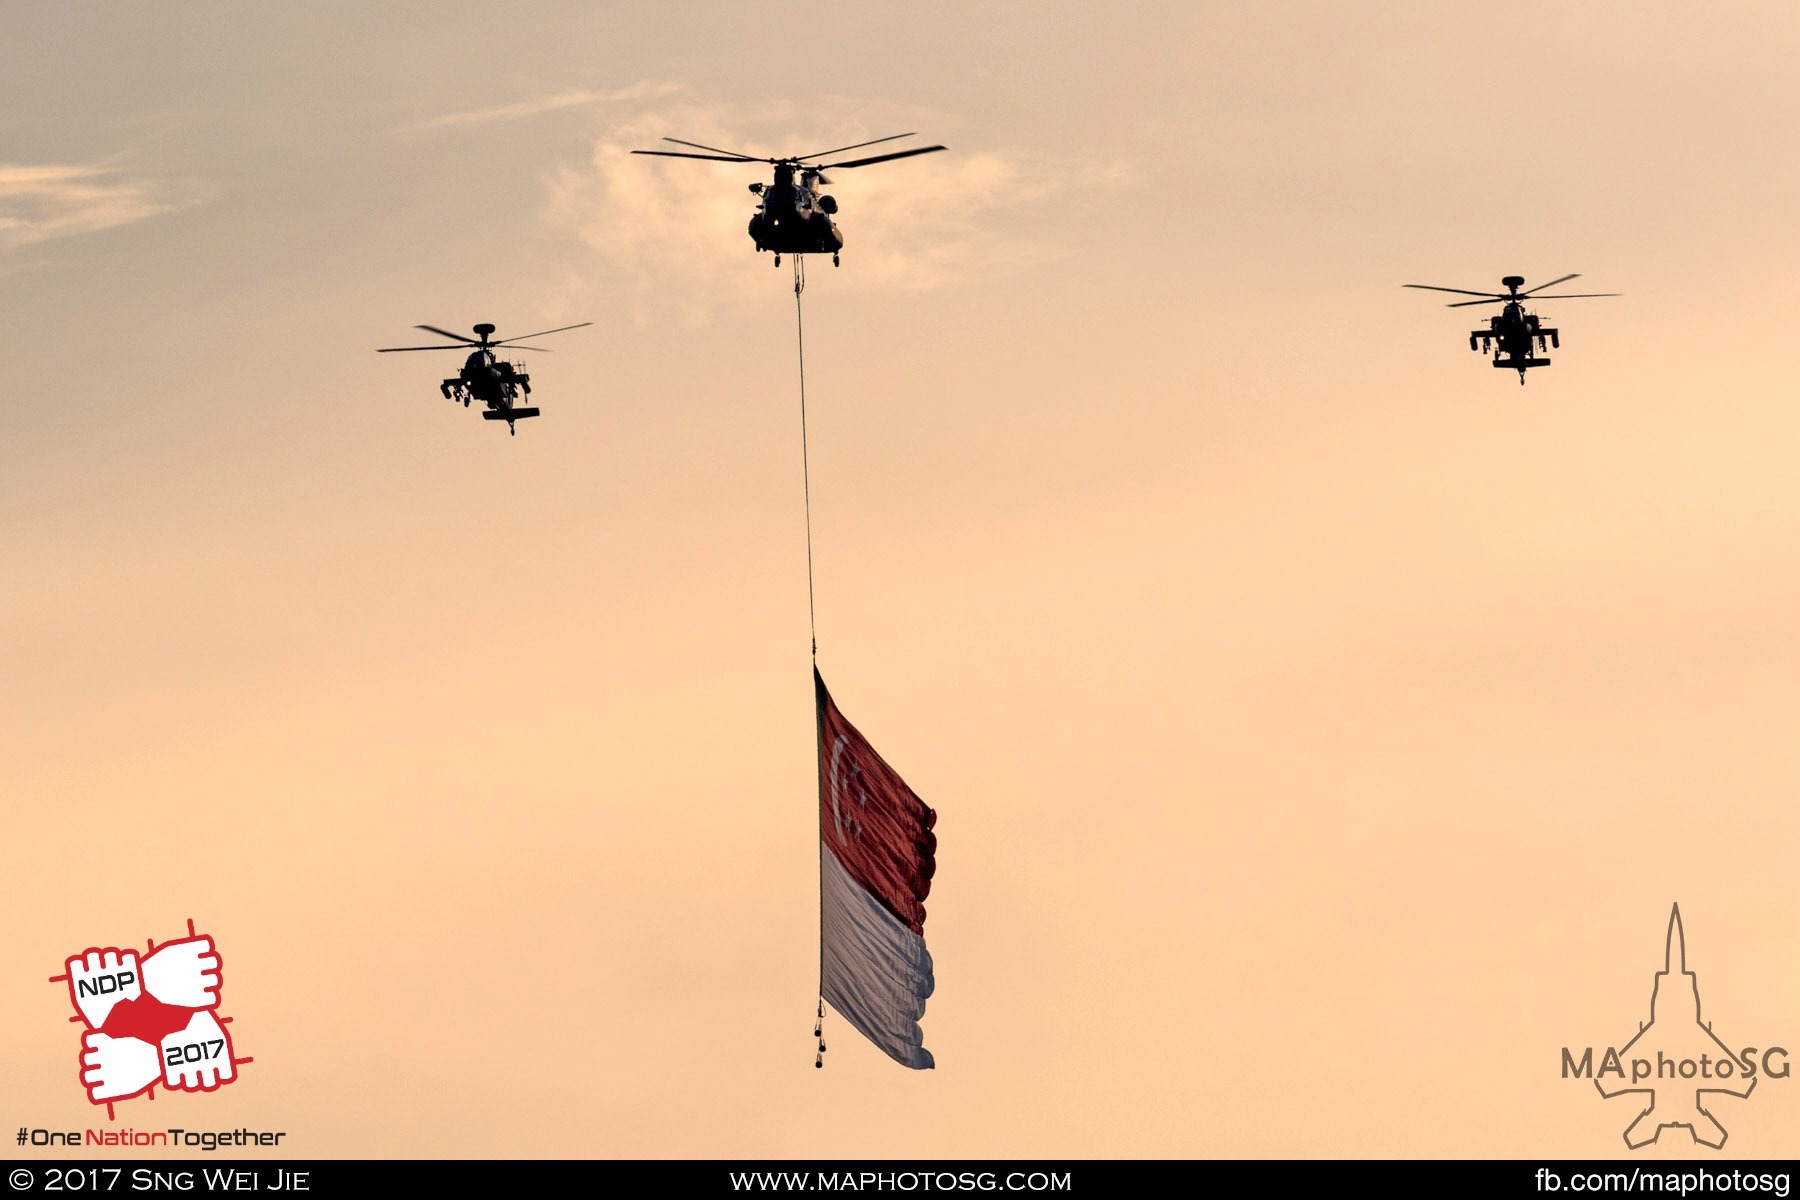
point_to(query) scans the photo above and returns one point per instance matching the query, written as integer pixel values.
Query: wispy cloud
(572, 98)
(42, 202)
(918, 224)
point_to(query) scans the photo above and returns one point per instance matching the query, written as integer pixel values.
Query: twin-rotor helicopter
(794, 216)
(1515, 336)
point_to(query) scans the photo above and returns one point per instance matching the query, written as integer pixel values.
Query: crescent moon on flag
(837, 815)
(841, 787)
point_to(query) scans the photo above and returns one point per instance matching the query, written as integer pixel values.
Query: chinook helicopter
(1515, 334)
(794, 217)
(484, 376)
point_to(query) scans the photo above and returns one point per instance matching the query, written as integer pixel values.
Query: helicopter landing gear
(778, 260)
(834, 258)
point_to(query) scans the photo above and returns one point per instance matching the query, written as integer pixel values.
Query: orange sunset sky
(1320, 724)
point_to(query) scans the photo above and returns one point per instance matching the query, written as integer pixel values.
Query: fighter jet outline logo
(1676, 1103)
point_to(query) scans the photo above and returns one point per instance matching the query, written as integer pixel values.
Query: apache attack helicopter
(484, 376)
(1515, 333)
(794, 218)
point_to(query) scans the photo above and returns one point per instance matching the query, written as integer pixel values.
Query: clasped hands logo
(150, 1019)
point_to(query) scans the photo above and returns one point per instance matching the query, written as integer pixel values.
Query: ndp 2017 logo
(150, 1019)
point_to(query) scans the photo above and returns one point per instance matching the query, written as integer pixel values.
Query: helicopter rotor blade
(491, 345)
(539, 333)
(446, 333)
(1459, 291)
(1473, 303)
(1579, 296)
(716, 150)
(708, 157)
(863, 162)
(858, 146)
(1540, 287)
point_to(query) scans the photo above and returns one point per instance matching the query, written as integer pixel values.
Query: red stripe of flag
(877, 827)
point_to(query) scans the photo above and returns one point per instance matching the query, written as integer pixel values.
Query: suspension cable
(805, 468)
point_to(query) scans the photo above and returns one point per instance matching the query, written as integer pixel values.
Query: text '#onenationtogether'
(193, 1139)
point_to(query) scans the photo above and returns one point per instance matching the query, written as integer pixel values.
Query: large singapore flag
(876, 858)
